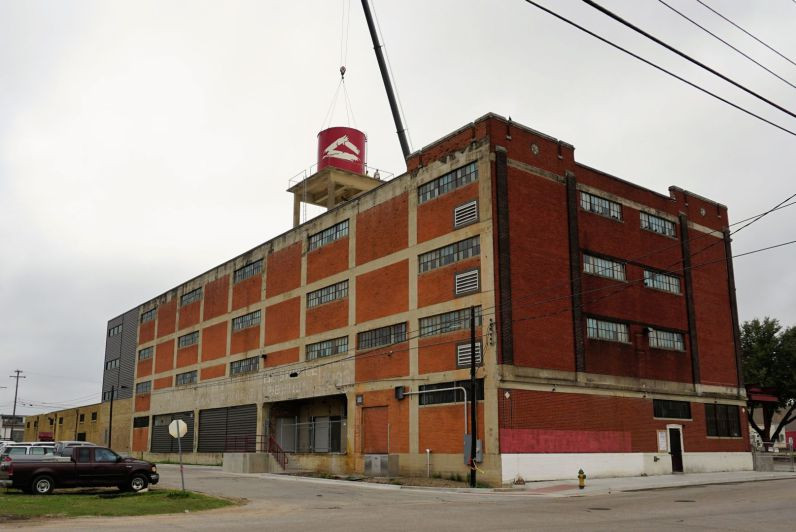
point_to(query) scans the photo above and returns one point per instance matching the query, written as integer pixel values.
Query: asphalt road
(289, 504)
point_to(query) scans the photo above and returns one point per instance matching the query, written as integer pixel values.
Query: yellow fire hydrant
(581, 479)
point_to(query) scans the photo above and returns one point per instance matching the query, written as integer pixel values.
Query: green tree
(769, 362)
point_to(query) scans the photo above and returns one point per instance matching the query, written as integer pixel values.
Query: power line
(749, 34)
(695, 23)
(650, 63)
(685, 56)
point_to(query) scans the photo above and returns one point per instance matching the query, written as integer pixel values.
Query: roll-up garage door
(242, 427)
(212, 430)
(162, 442)
(228, 429)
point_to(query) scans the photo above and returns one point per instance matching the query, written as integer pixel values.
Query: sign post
(178, 428)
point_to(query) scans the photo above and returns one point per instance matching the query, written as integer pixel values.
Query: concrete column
(296, 209)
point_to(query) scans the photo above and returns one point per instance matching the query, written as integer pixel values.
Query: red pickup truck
(79, 467)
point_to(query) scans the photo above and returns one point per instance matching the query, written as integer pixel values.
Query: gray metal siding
(162, 442)
(123, 347)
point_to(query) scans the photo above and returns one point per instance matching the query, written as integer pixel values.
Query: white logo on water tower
(331, 150)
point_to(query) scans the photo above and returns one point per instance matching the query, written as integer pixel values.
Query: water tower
(341, 171)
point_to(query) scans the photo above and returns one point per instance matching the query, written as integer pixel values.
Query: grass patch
(16, 505)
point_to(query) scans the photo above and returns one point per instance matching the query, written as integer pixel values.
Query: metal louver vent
(463, 355)
(467, 282)
(465, 214)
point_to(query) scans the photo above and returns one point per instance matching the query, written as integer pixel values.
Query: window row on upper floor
(612, 209)
(615, 269)
(616, 331)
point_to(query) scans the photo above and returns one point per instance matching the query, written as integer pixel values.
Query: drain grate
(598, 508)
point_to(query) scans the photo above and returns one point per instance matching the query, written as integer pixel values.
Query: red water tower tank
(342, 147)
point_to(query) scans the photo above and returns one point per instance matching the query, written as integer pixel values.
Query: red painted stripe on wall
(564, 441)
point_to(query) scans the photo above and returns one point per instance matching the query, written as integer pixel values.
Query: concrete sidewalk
(604, 486)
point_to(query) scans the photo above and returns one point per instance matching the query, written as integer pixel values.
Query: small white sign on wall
(662, 443)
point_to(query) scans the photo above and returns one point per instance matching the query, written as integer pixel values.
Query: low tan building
(84, 423)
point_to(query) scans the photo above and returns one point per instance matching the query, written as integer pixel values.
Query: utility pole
(16, 390)
(473, 400)
(114, 389)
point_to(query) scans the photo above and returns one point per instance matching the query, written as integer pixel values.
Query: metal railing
(278, 453)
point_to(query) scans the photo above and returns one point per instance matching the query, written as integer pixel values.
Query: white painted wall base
(553, 466)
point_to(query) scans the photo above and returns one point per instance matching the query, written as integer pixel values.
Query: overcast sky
(143, 142)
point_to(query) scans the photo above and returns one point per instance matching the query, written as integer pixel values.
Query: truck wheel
(138, 482)
(43, 485)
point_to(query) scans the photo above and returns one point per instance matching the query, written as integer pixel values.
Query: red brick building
(606, 324)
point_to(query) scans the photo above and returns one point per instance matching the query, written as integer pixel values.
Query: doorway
(676, 449)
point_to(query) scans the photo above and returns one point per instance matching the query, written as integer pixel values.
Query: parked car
(80, 467)
(36, 449)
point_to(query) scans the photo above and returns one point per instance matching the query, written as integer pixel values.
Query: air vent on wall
(467, 282)
(465, 214)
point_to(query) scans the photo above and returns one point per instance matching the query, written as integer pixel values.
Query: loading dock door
(374, 430)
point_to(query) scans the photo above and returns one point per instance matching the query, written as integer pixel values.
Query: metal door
(676, 450)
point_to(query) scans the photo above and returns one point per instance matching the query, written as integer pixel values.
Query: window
(82, 418)
(252, 319)
(113, 331)
(392, 334)
(326, 236)
(247, 365)
(601, 206)
(447, 182)
(141, 421)
(149, 315)
(143, 387)
(466, 282)
(327, 294)
(83, 454)
(327, 348)
(250, 270)
(112, 364)
(671, 409)
(465, 214)
(662, 281)
(189, 377)
(188, 339)
(190, 297)
(146, 353)
(60, 420)
(81, 436)
(450, 396)
(657, 225)
(93, 416)
(603, 267)
(666, 340)
(463, 355)
(722, 420)
(448, 322)
(607, 330)
(108, 395)
(449, 254)
(104, 455)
